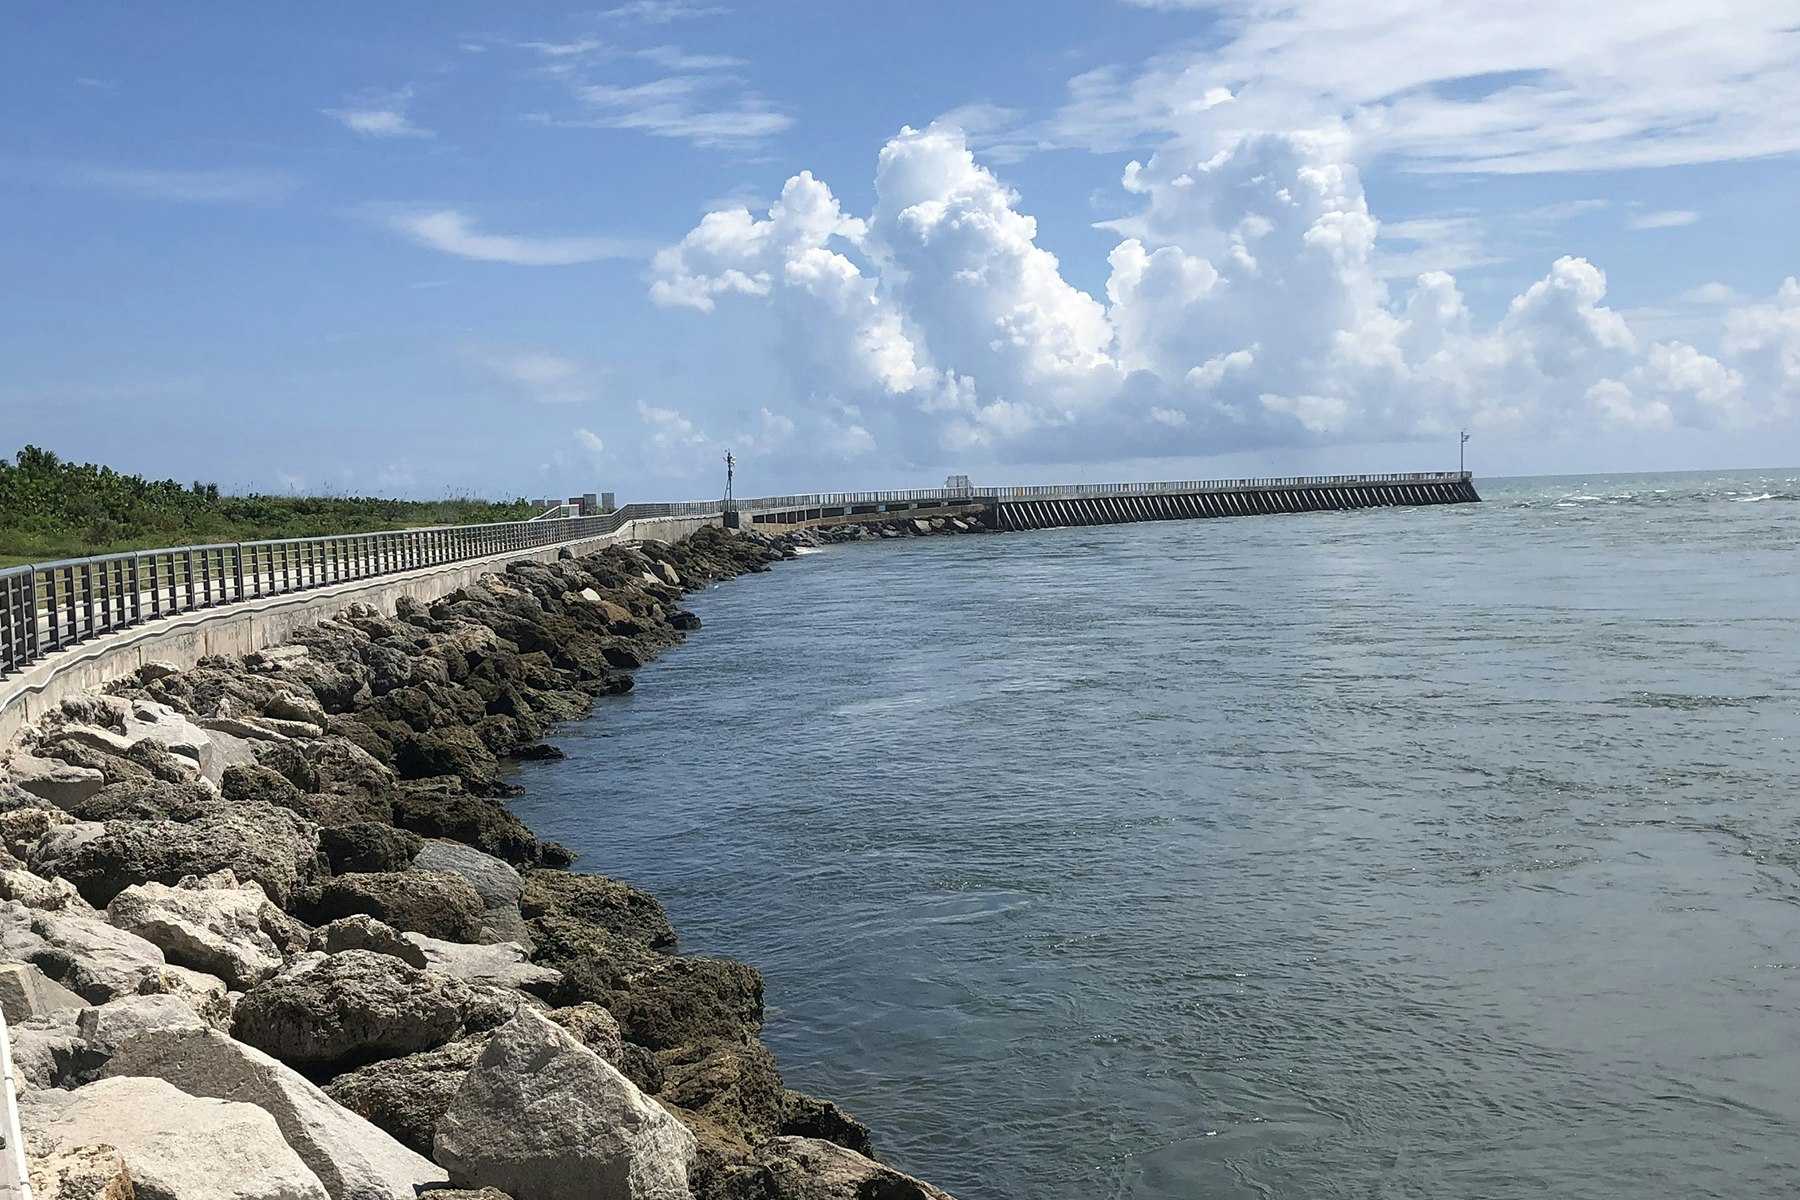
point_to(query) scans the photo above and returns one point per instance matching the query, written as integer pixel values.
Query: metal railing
(47, 607)
(1087, 491)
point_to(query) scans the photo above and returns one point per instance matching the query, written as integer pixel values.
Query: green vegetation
(51, 509)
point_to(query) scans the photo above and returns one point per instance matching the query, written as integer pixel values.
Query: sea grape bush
(52, 509)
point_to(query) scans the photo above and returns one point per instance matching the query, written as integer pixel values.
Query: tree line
(51, 508)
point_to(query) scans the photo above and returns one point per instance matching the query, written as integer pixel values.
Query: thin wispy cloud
(661, 12)
(1671, 218)
(454, 232)
(1511, 88)
(679, 106)
(379, 116)
(107, 86)
(230, 185)
(675, 58)
(534, 374)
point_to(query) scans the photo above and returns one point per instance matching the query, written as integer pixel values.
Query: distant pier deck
(1115, 503)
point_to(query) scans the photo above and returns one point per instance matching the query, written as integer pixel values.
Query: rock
(206, 994)
(493, 879)
(291, 706)
(34, 891)
(336, 1012)
(83, 953)
(23, 828)
(177, 1146)
(82, 1173)
(272, 846)
(26, 992)
(434, 809)
(363, 932)
(365, 847)
(809, 1117)
(683, 1002)
(593, 1027)
(544, 1118)
(733, 1092)
(150, 800)
(408, 1096)
(434, 903)
(48, 779)
(47, 1052)
(507, 964)
(212, 924)
(597, 900)
(111, 1025)
(351, 1157)
(795, 1168)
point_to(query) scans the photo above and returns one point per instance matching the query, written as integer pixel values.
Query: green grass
(51, 509)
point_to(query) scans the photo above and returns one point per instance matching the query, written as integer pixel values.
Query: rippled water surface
(1446, 852)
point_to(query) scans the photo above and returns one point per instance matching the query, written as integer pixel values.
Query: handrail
(15, 1171)
(46, 607)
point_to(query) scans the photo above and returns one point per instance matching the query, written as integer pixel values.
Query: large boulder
(363, 932)
(82, 1173)
(810, 1117)
(596, 900)
(105, 1028)
(335, 1012)
(47, 1052)
(542, 1117)
(506, 964)
(493, 879)
(26, 992)
(368, 846)
(212, 924)
(351, 1157)
(272, 846)
(53, 780)
(176, 1146)
(681, 1002)
(732, 1093)
(796, 1168)
(207, 995)
(442, 808)
(408, 1096)
(434, 903)
(83, 953)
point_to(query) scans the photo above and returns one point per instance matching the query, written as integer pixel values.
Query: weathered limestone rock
(363, 932)
(733, 1092)
(26, 992)
(507, 964)
(351, 1157)
(408, 1096)
(367, 846)
(82, 1173)
(493, 879)
(34, 891)
(206, 994)
(47, 1051)
(679, 1002)
(795, 1168)
(433, 903)
(272, 846)
(84, 954)
(211, 923)
(105, 1028)
(606, 903)
(810, 1117)
(49, 779)
(593, 1027)
(342, 1010)
(542, 1117)
(176, 1146)
(22, 828)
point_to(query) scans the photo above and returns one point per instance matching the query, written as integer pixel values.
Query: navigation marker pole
(1459, 452)
(730, 509)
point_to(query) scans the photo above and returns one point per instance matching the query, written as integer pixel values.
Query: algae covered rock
(334, 1012)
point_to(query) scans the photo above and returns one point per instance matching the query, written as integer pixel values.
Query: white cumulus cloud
(1245, 307)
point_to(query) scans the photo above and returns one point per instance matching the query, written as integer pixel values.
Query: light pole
(730, 507)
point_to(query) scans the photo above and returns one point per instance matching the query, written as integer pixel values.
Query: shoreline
(265, 865)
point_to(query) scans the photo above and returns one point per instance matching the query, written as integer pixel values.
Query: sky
(452, 248)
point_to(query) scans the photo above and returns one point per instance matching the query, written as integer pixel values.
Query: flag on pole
(1465, 435)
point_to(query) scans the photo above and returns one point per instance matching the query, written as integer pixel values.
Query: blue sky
(430, 248)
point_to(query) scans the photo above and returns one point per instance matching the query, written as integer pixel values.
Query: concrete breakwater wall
(1017, 508)
(1236, 502)
(270, 915)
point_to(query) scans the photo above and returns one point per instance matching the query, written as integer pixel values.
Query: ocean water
(1444, 852)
